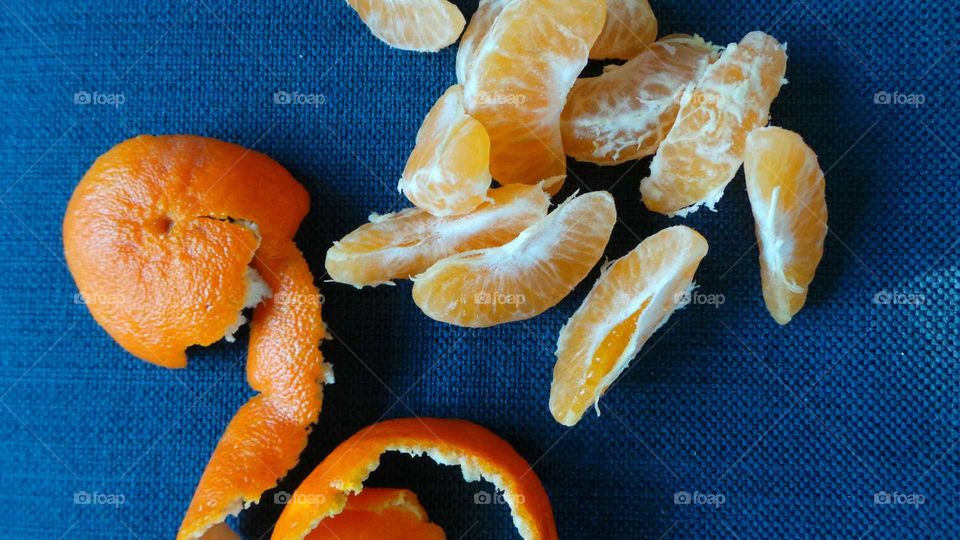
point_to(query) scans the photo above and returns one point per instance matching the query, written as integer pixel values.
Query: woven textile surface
(843, 424)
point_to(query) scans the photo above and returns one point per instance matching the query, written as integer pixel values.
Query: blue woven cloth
(843, 424)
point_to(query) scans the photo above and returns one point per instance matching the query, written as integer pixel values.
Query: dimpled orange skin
(380, 514)
(146, 234)
(165, 228)
(323, 493)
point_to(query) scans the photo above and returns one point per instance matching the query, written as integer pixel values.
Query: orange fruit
(518, 78)
(480, 453)
(632, 299)
(448, 172)
(411, 25)
(379, 514)
(525, 277)
(171, 237)
(705, 147)
(625, 113)
(480, 24)
(786, 189)
(400, 245)
(630, 26)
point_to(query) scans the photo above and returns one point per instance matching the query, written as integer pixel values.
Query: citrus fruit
(632, 299)
(525, 277)
(480, 453)
(704, 149)
(517, 82)
(786, 190)
(448, 172)
(411, 25)
(626, 112)
(379, 514)
(171, 237)
(480, 23)
(630, 26)
(400, 245)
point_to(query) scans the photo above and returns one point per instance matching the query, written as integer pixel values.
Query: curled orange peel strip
(169, 238)
(480, 453)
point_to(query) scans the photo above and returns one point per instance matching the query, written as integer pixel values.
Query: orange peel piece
(181, 233)
(380, 514)
(479, 452)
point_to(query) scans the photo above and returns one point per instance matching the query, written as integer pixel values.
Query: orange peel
(479, 452)
(380, 514)
(181, 233)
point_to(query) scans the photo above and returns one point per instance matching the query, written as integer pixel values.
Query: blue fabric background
(797, 428)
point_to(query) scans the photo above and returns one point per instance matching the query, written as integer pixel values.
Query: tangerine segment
(156, 221)
(630, 26)
(786, 190)
(480, 24)
(400, 245)
(625, 113)
(517, 82)
(705, 147)
(411, 25)
(632, 299)
(379, 514)
(480, 453)
(448, 172)
(525, 277)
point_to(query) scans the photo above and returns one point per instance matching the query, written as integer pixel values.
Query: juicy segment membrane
(525, 277)
(487, 12)
(481, 455)
(705, 147)
(630, 26)
(448, 172)
(632, 299)
(518, 77)
(625, 113)
(786, 189)
(412, 25)
(400, 245)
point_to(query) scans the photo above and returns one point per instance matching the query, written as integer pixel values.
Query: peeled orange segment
(524, 277)
(181, 233)
(625, 113)
(449, 170)
(480, 24)
(397, 246)
(786, 189)
(411, 25)
(632, 299)
(480, 453)
(379, 514)
(705, 147)
(519, 77)
(630, 26)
